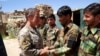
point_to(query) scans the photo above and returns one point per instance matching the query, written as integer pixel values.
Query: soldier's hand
(46, 48)
(44, 51)
(51, 47)
(52, 51)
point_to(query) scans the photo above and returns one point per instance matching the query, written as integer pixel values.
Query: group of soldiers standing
(41, 37)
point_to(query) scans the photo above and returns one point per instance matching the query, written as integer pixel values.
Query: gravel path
(12, 47)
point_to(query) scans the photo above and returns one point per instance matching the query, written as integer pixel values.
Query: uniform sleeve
(72, 38)
(67, 46)
(61, 50)
(26, 46)
(60, 41)
(59, 47)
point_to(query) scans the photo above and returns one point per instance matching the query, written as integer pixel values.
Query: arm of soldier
(64, 48)
(59, 47)
(70, 43)
(73, 38)
(25, 45)
(59, 50)
(59, 42)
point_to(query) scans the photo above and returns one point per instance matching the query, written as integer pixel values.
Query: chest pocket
(51, 35)
(88, 46)
(35, 41)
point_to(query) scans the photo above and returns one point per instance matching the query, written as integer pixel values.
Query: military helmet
(45, 9)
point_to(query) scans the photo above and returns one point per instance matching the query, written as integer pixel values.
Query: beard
(52, 24)
(89, 24)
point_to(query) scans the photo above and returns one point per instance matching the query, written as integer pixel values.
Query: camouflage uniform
(90, 42)
(43, 32)
(30, 41)
(51, 36)
(67, 41)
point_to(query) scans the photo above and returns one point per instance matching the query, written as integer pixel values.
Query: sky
(11, 5)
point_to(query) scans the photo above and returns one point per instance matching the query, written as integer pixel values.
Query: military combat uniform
(30, 41)
(90, 42)
(67, 41)
(43, 32)
(51, 36)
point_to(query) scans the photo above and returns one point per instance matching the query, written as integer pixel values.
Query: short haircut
(93, 8)
(64, 10)
(51, 16)
(30, 12)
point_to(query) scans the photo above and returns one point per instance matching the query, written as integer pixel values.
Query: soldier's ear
(29, 17)
(68, 16)
(98, 17)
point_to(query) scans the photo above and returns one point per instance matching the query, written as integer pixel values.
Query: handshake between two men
(47, 51)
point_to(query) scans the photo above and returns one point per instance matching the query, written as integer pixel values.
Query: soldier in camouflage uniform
(90, 39)
(52, 30)
(67, 40)
(45, 10)
(42, 27)
(30, 41)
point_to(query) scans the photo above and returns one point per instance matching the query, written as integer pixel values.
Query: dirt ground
(12, 47)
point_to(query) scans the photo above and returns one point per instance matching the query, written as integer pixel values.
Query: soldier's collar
(69, 25)
(92, 30)
(30, 28)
